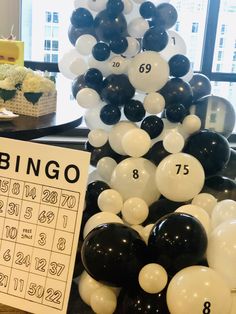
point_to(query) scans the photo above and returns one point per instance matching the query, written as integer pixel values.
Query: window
(221, 42)
(223, 29)
(194, 27)
(48, 16)
(220, 55)
(47, 44)
(54, 58)
(55, 31)
(177, 26)
(47, 57)
(234, 56)
(55, 45)
(55, 17)
(218, 67)
(233, 69)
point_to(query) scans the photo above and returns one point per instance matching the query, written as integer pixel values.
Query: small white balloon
(78, 66)
(85, 43)
(103, 300)
(93, 120)
(198, 213)
(100, 218)
(110, 201)
(191, 124)
(154, 103)
(103, 66)
(205, 201)
(146, 232)
(133, 47)
(152, 278)
(135, 211)
(137, 27)
(86, 286)
(173, 142)
(138, 228)
(128, 6)
(105, 167)
(132, 140)
(118, 65)
(88, 98)
(139, 1)
(79, 4)
(97, 5)
(97, 137)
(224, 210)
(65, 62)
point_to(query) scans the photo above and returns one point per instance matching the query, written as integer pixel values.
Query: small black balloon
(137, 301)
(179, 65)
(153, 125)
(201, 86)
(74, 33)
(117, 89)
(101, 51)
(210, 148)
(93, 77)
(78, 84)
(177, 91)
(155, 39)
(156, 153)
(134, 110)
(176, 241)
(114, 7)
(110, 114)
(147, 9)
(81, 17)
(222, 188)
(114, 254)
(175, 112)
(94, 189)
(166, 15)
(118, 45)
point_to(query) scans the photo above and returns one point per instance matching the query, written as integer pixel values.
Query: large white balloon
(103, 300)
(176, 45)
(223, 211)
(221, 251)
(137, 27)
(205, 201)
(198, 289)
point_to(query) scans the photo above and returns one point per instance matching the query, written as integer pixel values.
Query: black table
(67, 116)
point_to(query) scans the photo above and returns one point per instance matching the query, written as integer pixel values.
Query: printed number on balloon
(135, 174)
(182, 169)
(207, 309)
(145, 68)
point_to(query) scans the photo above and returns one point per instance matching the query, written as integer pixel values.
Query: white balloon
(205, 201)
(135, 177)
(198, 289)
(176, 45)
(128, 6)
(65, 62)
(86, 286)
(117, 133)
(93, 120)
(198, 213)
(135, 211)
(173, 142)
(133, 47)
(221, 251)
(105, 167)
(85, 43)
(131, 142)
(138, 228)
(118, 65)
(98, 219)
(103, 300)
(180, 177)
(110, 201)
(154, 103)
(224, 210)
(103, 66)
(80, 4)
(146, 232)
(144, 71)
(88, 98)
(97, 137)
(152, 278)
(78, 66)
(97, 5)
(137, 27)
(191, 124)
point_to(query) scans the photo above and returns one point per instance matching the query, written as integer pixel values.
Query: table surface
(67, 116)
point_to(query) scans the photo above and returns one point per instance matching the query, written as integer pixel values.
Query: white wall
(10, 15)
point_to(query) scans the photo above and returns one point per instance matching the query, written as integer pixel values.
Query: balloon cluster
(159, 227)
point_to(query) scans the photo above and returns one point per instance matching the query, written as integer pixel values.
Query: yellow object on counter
(11, 52)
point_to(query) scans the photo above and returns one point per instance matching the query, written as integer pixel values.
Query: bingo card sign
(42, 190)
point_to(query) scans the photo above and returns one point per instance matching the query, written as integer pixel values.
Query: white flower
(7, 84)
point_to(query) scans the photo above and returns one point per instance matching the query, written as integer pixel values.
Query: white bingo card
(42, 190)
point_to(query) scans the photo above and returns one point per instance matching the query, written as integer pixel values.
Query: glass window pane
(191, 26)
(226, 38)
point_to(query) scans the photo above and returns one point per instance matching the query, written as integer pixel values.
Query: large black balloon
(136, 301)
(222, 188)
(177, 241)
(201, 86)
(229, 170)
(160, 208)
(114, 254)
(177, 91)
(210, 148)
(108, 27)
(216, 113)
(74, 33)
(117, 89)
(157, 153)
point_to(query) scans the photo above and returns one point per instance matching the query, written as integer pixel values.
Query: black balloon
(153, 125)
(74, 33)
(201, 86)
(110, 114)
(156, 153)
(166, 15)
(222, 188)
(229, 170)
(177, 91)
(160, 208)
(78, 84)
(210, 148)
(175, 112)
(117, 89)
(177, 241)
(136, 301)
(114, 254)
(94, 189)
(155, 39)
(81, 17)
(179, 65)
(134, 110)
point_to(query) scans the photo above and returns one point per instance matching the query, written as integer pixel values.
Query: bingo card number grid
(37, 234)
